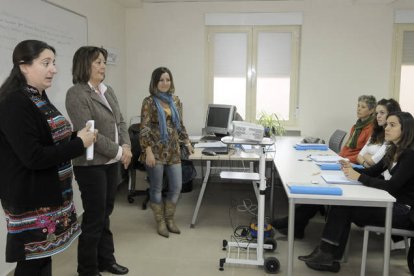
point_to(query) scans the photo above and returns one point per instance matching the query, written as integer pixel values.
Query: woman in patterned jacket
(161, 132)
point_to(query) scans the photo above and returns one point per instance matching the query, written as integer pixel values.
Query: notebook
(339, 179)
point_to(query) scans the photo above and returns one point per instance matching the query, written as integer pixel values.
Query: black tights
(35, 267)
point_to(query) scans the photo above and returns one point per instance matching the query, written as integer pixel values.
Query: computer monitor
(219, 118)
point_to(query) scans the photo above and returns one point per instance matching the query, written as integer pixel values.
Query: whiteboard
(65, 30)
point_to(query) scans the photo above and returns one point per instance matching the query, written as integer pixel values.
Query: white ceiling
(138, 3)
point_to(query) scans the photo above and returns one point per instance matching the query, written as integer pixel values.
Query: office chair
(133, 132)
(336, 139)
(394, 231)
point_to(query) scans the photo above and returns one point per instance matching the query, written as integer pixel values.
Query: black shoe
(322, 261)
(299, 234)
(311, 255)
(334, 267)
(115, 269)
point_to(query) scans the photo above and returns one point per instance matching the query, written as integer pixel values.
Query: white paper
(339, 179)
(89, 150)
(326, 158)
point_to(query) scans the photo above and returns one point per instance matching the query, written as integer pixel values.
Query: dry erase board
(39, 19)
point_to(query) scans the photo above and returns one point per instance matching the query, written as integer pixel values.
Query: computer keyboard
(210, 138)
(218, 150)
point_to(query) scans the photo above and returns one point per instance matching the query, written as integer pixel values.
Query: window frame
(397, 55)
(252, 32)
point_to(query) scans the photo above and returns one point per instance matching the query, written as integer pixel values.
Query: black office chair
(336, 139)
(133, 131)
(188, 170)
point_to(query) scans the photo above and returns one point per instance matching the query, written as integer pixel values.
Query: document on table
(339, 179)
(326, 158)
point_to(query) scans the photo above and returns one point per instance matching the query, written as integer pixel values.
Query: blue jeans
(156, 175)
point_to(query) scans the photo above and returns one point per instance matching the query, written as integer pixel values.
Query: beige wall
(345, 52)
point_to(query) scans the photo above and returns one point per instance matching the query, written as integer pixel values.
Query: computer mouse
(209, 152)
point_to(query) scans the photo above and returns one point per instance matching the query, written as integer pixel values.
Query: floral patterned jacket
(168, 153)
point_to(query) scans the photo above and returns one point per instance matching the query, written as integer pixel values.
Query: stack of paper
(339, 179)
(326, 158)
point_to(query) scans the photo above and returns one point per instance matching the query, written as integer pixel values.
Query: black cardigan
(401, 184)
(28, 157)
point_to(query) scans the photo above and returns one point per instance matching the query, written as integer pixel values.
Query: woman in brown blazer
(91, 99)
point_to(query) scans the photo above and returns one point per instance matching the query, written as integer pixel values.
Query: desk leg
(272, 190)
(291, 235)
(387, 238)
(200, 196)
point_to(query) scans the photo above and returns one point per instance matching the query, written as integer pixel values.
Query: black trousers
(97, 185)
(339, 221)
(303, 213)
(36, 267)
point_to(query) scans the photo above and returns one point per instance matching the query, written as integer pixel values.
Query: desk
(231, 156)
(291, 170)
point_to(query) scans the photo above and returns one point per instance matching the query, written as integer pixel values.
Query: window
(403, 64)
(254, 68)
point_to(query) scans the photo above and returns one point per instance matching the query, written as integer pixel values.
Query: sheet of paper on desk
(317, 189)
(339, 179)
(326, 158)
(216, 144)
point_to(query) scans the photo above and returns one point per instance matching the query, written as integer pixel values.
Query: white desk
(291, 170)
(250, 157)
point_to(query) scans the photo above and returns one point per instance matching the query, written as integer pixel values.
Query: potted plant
(271, 123)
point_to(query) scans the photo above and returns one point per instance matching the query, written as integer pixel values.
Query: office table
(291, 170)
(233, 155)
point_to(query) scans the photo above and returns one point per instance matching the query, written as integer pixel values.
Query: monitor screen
(219, 118)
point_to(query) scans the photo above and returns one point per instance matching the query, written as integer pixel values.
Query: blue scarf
(175, 116)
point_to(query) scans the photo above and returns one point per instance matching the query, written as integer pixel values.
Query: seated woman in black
(398, 180)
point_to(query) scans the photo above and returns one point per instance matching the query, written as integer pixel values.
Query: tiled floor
(197, 251)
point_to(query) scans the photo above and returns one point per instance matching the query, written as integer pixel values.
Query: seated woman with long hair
(375, 148)
(396, 167)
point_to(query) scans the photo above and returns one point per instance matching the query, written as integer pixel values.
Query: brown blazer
(83, 104)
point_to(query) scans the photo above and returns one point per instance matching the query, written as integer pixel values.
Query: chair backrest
(406, 233)
(336, 139)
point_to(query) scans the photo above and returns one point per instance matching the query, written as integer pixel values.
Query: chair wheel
(271, 265)
(130, 199)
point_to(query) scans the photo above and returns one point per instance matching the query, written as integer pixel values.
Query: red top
(352, 154)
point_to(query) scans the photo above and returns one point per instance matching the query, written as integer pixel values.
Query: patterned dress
(46, 231)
